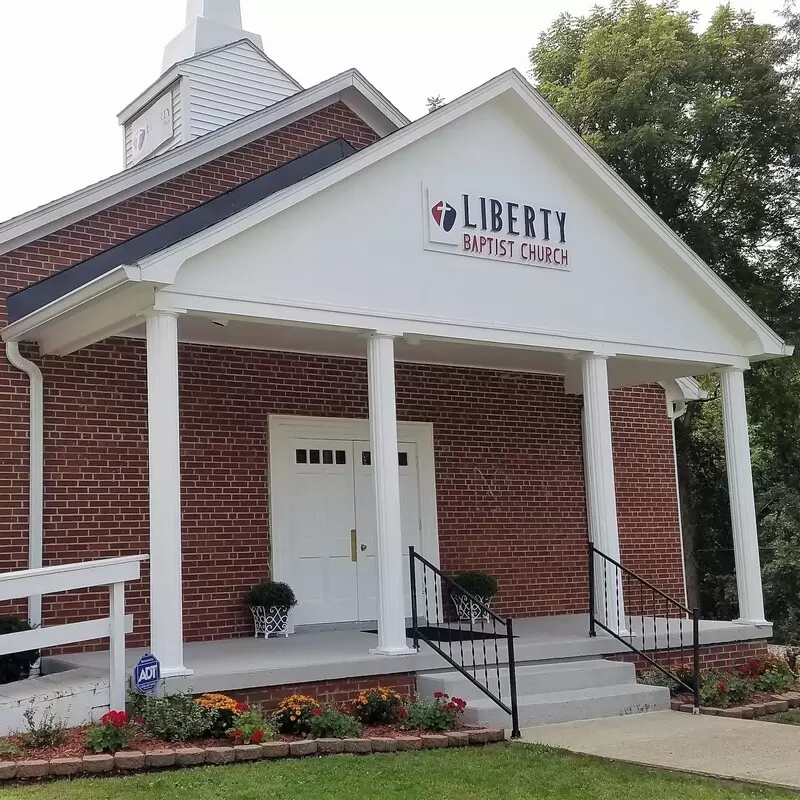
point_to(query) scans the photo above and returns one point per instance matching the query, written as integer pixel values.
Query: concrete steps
(553, 692)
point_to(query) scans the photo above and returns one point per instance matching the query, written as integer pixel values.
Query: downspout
(675, 410)
(35, 468)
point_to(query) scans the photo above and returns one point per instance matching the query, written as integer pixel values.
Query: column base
(393, 651)
(751, 622)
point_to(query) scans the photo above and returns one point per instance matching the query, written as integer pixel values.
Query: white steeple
(209, 24)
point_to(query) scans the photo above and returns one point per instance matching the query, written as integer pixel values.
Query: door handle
(353, 545)
(363, 548)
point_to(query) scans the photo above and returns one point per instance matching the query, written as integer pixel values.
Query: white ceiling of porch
(352, 344)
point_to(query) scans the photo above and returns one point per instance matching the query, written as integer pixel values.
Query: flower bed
(181, 730)
(760, 686)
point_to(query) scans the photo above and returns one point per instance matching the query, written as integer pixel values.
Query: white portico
(484, 235)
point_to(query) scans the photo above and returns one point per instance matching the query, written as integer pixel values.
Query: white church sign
(495, 228)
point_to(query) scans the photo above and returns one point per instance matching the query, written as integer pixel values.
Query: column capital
(595, 355)
(384, 334)
(732, 369)
(157, 313)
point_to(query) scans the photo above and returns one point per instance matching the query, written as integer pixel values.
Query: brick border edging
(780, 703)
(127, 761)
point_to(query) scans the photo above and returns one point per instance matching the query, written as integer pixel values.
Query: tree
(704, 125)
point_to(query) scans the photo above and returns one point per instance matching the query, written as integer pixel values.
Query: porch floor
(319, 655)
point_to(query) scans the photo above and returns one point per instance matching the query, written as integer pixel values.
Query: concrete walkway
(745, 750)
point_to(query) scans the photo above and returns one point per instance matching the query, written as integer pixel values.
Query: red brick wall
(508, 445)
(80, 494)
(508, 463)
(342, 690)
(714, 656)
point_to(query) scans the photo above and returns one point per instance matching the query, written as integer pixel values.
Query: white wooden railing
(111, 572)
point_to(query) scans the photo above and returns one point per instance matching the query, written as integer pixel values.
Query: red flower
(115, 719)
(257, 736)
(139, 720)
(317, 712)
(722, 687)
(439, 695)
(402, 713)
(241, 708)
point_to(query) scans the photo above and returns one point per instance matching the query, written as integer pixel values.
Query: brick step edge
(780, 703)
(127, 761)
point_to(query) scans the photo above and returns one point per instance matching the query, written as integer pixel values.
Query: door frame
(282, 428)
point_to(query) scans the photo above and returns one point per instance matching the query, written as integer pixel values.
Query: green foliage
(249, 727)
(16, 666)
(655, 677)
(329, 723)
(108, 738)
(704, 124)
(723, 689)
(378, 706)
(175, 717)
(271, 594)
(8, 749)
(47, 731)
(439, 713)
(478, 584)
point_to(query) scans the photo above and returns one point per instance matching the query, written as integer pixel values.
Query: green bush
(8, 749)
(249, 727)
(478, 584)
(16, 666)
(723, 689)
(655, 677)
(328, 723)
(49, 731)
(271, 594)
(174, 718)
(439, 713)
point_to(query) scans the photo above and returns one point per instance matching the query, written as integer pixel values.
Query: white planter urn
(272, 621)
(468, 610)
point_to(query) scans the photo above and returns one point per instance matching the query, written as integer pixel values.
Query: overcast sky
(69, 66)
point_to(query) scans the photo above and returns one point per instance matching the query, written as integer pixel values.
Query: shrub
(16, 666)
(49, 731)
(478, 584)
(769, 673)
(437, 714)
(329, 723)
(377, 706)
(8, 749)
(655, 677)
(176, 717)
(271, 594)
(294, 714)
(249, 727)
(722, 689)
(113, 733)
(225, 708)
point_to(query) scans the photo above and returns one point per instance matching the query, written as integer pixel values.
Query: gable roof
(513, 85)
(32, 298)
(350, 87)
(176, 70)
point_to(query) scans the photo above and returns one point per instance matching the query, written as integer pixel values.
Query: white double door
(332, 528)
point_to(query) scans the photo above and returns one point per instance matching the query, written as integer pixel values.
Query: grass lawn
(497, 772)
(791, 717)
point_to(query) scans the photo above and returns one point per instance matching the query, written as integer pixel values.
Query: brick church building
(299, 333)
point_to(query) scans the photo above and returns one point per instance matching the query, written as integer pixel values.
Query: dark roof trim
(32, 298)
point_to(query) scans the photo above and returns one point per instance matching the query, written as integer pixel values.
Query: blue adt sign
(147, 674)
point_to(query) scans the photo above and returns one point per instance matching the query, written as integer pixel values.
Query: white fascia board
(508, 82)
(691, 389)
(115, 278)
(54, 216)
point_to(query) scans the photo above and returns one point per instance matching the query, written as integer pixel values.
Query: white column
(740, 486)
(166, 591)
(386, 474)
(601, 498)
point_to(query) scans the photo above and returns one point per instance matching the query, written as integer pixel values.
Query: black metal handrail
(483, 672)
(629, 590)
